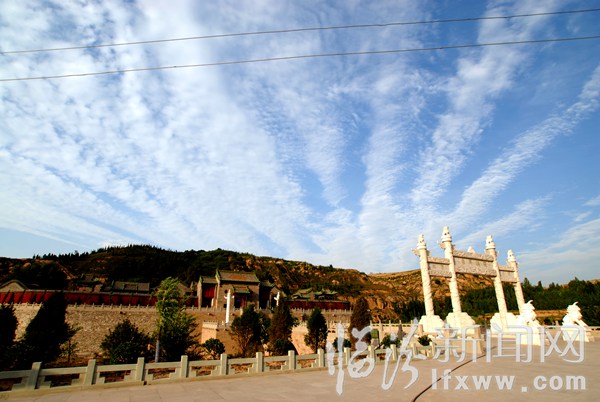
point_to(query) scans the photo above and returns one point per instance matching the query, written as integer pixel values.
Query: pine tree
(249, 331)
(46, 333)
(280, 330)
(8, 328)
(360, 318)
(175, 325)
(316, 338)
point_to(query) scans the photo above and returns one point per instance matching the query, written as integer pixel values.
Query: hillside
(386, 293)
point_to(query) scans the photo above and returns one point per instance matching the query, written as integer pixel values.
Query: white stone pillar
(490, 249)
(429, 322)
(425, 278)
(228, 309)
(457, 318)
(449, 255)
(512, 263)
(502, 318)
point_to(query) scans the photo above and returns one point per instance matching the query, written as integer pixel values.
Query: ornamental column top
(489, 243)
(446, 235)
(421, 245)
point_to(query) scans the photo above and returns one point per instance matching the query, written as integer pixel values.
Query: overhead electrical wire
(306, 56)
(281, 31)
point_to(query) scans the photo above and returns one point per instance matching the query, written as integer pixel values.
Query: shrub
(424, 340)
(387, 341)
(125, 343)
(213, 348)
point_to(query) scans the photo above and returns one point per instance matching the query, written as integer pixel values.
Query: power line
(280, 31)
(307, 56)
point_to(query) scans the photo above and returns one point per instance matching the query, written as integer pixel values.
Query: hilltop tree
(280, 330)
(46, 275)
(8, 328)
(46, 334)
(360, 318)
(175, 327)
(125, 343)
(249, 331)
(316, 338)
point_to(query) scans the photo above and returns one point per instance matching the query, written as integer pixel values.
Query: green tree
(213, 348)
(280, 330)
(316, 338)
(47, 275)
(175, 327)
(360, 319)
(8, 328)
(125, 343)
(249, 331)
(46, 334)
(387, 341)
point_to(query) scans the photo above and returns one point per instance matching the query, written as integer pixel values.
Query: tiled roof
(130, 286)
(241, 290)
(233, 276)
(309, 294)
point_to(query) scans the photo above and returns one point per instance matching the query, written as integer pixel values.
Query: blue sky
(330, 160)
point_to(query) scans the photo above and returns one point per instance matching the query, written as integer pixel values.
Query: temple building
(245, 288)
(324, 299)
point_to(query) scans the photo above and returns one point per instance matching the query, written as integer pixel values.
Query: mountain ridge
(142, 263)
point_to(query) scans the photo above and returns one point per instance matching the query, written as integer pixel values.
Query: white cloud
(480, 77)
(339, 161)
(572, 254)
(526, 150)
(594, 202)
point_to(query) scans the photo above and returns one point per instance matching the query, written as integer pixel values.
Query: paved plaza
(555, 379)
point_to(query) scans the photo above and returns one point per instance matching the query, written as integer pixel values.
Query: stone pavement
(460, 385)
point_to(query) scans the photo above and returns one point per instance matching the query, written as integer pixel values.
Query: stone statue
(573, 318)
(528, 316)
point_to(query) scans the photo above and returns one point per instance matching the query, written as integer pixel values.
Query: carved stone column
(502, 319)
(490, 249)
(425, 278)
(512, 263)
(457, 318)
(448, 254)
(429, 322)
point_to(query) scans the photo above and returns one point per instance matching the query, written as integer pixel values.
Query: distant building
(246, 288)
(127, 287)
(325, 299)
(13, 286)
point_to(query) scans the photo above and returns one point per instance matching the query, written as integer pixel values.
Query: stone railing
(145, 373)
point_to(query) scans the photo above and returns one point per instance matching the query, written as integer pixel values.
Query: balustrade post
(260, 362)
(291, 360)
(140, 368)
(34, 374)
(224, 367)
(320, 358)
(90, 372)
(183, 373)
